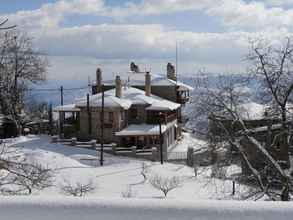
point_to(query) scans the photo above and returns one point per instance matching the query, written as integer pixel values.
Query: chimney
(171, 72)
(134, 67)
(118, 84)
(99, 80)
(148, 87)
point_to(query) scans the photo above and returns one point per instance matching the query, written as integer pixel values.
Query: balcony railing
(155, 119)
(182, 100)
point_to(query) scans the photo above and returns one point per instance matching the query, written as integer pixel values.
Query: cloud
(151, 7)
(236, 14)
(279, 2)
(217, 52)
(254, 15)
(122, 42)
(51, 14)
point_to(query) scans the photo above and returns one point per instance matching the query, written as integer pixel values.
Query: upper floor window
(133, 113)
(111, 117)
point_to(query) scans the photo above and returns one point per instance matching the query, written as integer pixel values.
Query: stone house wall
(109, 127)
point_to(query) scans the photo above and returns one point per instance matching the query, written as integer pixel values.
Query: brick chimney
(99, 80)
(148, 86)
(171, 72)
(118, 86)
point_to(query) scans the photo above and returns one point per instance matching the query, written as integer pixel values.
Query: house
(166, 87)
(8, 127)
(130, 117)
(267, 131)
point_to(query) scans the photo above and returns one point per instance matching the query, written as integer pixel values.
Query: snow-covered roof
(252, 111)
(164, 105)
(141, 129)
(109, 101)
(130, 96)
(138, 79)
(144, 129)
(66, 108)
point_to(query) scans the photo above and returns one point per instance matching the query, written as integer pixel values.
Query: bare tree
(2, 24)
(36, 110)
(18, 176)
(165, 184)
(77, 188)
(273, 63)
(20, 66)
(128, 193)
(222, 104)
(144, 171)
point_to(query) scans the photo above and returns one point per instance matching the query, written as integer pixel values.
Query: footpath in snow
(119, 174)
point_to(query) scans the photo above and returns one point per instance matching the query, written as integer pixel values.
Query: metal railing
(177, 156)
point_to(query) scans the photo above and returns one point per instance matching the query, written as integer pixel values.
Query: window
(133, 113)
(111, 117)
(122, 116)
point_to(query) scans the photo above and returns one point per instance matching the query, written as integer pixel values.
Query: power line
(58, 89)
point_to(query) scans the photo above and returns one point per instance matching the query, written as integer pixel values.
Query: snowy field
(120, 174)
(198, 197)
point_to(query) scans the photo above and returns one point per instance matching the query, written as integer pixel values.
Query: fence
(177, 156)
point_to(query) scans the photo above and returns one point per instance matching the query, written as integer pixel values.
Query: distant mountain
(49, 91)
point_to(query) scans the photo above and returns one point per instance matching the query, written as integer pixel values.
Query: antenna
(89, 81)
(176, 70)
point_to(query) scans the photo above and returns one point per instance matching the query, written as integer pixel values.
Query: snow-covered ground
(132, 209)
(188, 140)
(119, 174)
(198, 197)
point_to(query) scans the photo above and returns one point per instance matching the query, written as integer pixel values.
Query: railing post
(133, 150)
(73, 141)
(154, 153)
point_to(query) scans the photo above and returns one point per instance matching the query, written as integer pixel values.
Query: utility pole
(16, 76)
(50, 119)
(102, 127)
(176, 69)
(61, 95)
(89, 115)
(161, 139)
(61, 113)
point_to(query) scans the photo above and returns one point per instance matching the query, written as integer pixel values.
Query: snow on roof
(141, 129)
(265, 128)
(183, 87)
(66, 108)
(252, 111)
(130, 96)
(109, 101)
(164, 105)
(144, 129)
(138, 79)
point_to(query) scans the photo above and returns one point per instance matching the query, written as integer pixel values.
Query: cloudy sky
(212, 35)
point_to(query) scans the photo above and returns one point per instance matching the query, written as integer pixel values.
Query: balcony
(182, 97)
(165, 118)
(182, 100)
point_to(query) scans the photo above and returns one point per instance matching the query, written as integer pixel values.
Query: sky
(213, 36)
